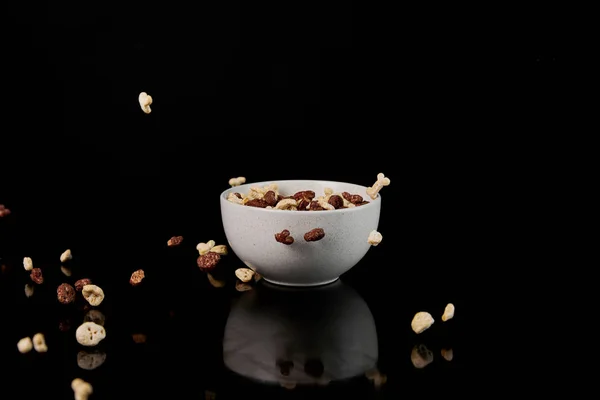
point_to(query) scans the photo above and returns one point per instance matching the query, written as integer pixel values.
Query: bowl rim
(371, 203)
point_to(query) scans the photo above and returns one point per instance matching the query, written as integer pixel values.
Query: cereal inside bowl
(301, 232)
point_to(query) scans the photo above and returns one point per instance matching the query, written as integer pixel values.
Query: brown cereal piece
(270, 198)
(284, 237)
(362, 203)
(336, 201)
(81, 283)
(352, 198)
(36, 276)
(242, 287)
(238, 195)
(314, 206)
(139, 338)
(260, 203)
(303, 205)
(314, 235)
(207, 262)
(4, 211)
(137, 277)
(65, 293)
(175, 241)
(304, 194)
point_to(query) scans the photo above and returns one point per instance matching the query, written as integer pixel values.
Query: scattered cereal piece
(95, 316)
(4, 211)
(90, 334)
(175, 241)
(328, 191)
(377, 186)
(314, 235)
(235, 198)
(258, 203)
(139, 338)
(90, 360)
(325, 205)
(36, 276)
(207, 262)
(374, 238)
(286, 204)
(240, 180)
(137, 277)
(448, 312)
(29, 288)
(27, 263)
(81, 283)
(244, 274)
(421, 356)
(66, 271)
(270, 198)
(24, 345)
(81, 388)
(39, 343)
(242, 287)
(352, 198)
(204, 248)
(145, 101)
(220, 250)
(65, 293)
(215, 282)
(448, 354)
(336, 201)
(93, 294)
(284, 237)
(421, 321)
(66, 256)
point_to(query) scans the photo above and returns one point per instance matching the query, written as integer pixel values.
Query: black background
(335, 92)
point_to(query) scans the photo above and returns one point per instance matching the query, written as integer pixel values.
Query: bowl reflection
(292, 336)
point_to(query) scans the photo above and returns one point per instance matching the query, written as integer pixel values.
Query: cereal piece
(376, 377)
(204, 248)
(287, 204)
(220, 250)
(377, 186)
(137, 277)
(242, 287)
(65, 293)
(304, 195)
(90, 360)
(328, 191)
(448, 354)
(81, 283)
(240, 180)
(421, 322)
(448, 312)
(215, 282)
(303, 205)
(257, 276)
(259, 203)
(235, 198)
(314, 235)
(4, 211)
(66, 271)
(325, 205)
(314, 206)
(207, 262)
(95, 316)
(352, 198)
(175, 241)
(139, 338)
(270, 198)
(24, 345)
(244, 274)
(90, 334)
(93, 294)
(66, 256)
(255, 193)
(36, 276)
(374, 238)
(27, 263)
(39, 343)
(284, 237)
(421, 356)
(29, 288)
(82, 389)
(336, 201)
(145, 100)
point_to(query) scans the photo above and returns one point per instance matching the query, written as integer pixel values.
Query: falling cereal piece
(145, 102)
(448, 354)
(66, 271)
(29, 288)
(139, 338)
(244, 274)
(81, 388)
(240, 180)
(27, 263)
(421, 356)
(39, 343)
(448, 312)
(137, 277)
(382, 181)
(421, 322)
(4, 211)
(25, 345)
(374, 238)
(175, 241)
(66, 256)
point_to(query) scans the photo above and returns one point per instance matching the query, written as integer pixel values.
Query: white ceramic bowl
(251, 231)
(331, 326)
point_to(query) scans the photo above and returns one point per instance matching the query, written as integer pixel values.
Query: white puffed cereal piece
(244, 274)
(29, 288)
(323, 203)
(220, 250)
(90, 334)
(204, 248)
(240, 180)
(374, 238)
(39, 343)
(234, 199)
(27, 263)
(421, 321)
(378, 185)
(145, 101)
(93, 294)
(287, 204)
(64, 257)
(328, 191)
(448, 312)
(24, 345)
(81, 388)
